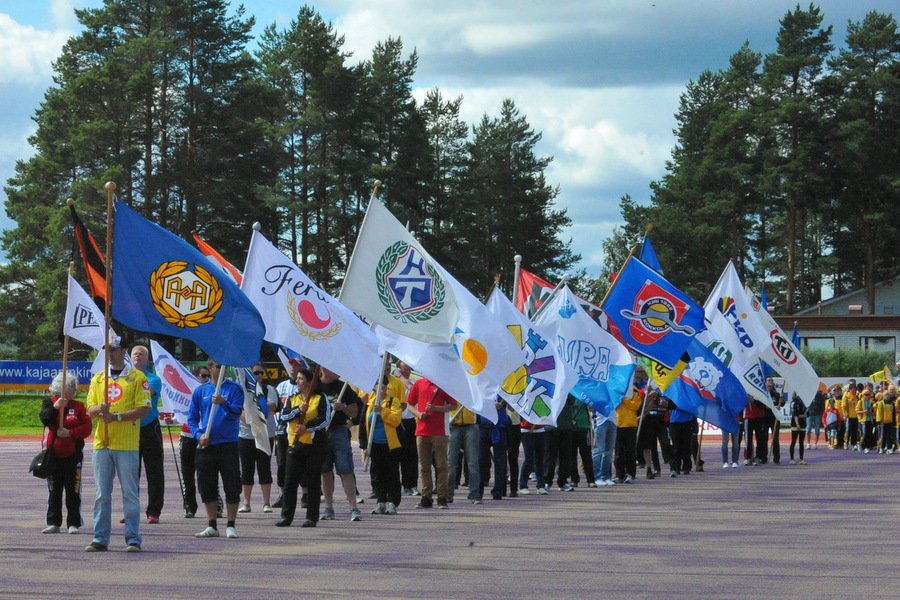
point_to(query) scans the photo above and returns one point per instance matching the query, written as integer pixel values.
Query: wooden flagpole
(110, 193)
(65, 360)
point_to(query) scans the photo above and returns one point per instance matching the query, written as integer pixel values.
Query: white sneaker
(734, 465)
(73, 529)
(390, 509)
(725, 466)
(524, 491)
(244, 508)
(807, 446)
(50, 529)
(231, 533)
(267, 508)
(207, 533)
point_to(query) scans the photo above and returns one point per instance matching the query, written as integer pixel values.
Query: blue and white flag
(162, 284)
(603, 365)
(177, 383)
(654, 318)
(538, 389)
(707, 389)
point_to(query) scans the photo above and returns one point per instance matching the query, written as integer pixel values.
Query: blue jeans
(107, 465)
(467, 438)
(602, 452)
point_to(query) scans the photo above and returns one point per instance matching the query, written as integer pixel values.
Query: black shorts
(219, 459)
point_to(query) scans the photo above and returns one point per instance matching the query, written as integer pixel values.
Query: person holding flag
(217, 448)
(117, 440)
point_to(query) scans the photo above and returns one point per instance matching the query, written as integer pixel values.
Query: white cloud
(27, 52)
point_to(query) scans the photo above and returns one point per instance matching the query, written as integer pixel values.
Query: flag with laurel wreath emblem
(161, 284)
(393, 281)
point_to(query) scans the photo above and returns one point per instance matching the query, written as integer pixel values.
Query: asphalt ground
(828, 529)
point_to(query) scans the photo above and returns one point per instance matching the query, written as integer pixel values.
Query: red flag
(534, 291)
(94, 264)
(217, 259)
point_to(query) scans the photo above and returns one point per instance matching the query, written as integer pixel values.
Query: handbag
(44, 464)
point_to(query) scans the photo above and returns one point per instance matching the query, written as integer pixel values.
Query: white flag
(473, 368)
(537, 390)
(299, 315)
(392, 281)
(783, 356)
(731, 315)
(84, 321)
(177, 383)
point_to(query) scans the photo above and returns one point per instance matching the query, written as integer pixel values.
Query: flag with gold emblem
(161, 284)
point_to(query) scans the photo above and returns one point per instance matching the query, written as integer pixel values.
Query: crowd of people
(416, 441)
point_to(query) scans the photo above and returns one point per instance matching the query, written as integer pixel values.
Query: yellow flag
(664, 376)
(880, 375)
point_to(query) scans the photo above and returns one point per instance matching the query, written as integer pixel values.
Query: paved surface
(824, 530)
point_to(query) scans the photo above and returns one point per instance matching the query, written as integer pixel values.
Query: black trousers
(187, 449)
(385, 468)
(281, 446)
(513, 441)
(151, 451)
(558, 451)
(581, 444)
(493, 453)
(409, 454)
(681, 446)
(304, 469)
(626, 452)
(66, 478)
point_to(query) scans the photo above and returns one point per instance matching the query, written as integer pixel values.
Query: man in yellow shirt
(117, 440)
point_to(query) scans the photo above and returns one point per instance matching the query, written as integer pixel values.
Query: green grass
(20, 414)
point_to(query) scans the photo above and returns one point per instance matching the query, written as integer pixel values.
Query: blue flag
(648, 256)
(708, 389)
(161, 284)
(654, 317)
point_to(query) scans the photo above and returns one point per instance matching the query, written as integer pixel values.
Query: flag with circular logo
(161, 284)
(393, 281)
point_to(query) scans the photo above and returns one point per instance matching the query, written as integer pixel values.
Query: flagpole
(514, 294)
(379, 389)
(609, 291)
(65, 360)
(546, 302)
(372, 199)
(212, 407)
(110, 193)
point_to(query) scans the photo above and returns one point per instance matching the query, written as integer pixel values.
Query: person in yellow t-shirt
(848, 408)
(117, 439)
(307, 415)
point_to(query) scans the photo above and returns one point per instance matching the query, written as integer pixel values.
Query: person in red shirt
(432, 407)
(67, 425)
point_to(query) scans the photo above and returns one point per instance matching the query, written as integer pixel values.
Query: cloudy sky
(599, 79)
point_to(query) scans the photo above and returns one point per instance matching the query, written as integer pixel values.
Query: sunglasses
(259, 373)
(203, 375)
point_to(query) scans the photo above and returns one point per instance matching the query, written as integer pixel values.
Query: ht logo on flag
(183, 297)
(655, 313)
(83, 318)
(409, 288)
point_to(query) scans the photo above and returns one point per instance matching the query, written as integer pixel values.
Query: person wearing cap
(117, 439)
(217, 447)
(151, 448)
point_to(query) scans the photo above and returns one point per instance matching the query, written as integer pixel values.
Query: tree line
(201, 133)
(786, 163)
